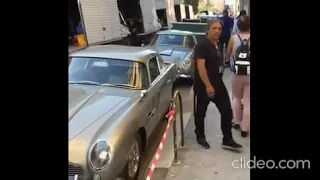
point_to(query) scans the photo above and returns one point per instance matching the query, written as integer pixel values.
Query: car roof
(175, 32)
(132, 53)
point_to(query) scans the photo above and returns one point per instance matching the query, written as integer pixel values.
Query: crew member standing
(209, 87)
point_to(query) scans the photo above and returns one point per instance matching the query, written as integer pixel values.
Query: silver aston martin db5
(177, 47)
(117, 95)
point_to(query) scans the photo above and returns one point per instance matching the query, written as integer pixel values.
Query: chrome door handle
(151, 113)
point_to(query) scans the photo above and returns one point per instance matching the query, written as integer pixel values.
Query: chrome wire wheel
(134, 160)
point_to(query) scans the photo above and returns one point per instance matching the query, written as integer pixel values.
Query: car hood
(173, 54)
(87, 104)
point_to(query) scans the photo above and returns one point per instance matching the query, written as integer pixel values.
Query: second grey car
(177, 47)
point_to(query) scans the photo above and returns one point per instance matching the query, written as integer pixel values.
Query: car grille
(75, 170)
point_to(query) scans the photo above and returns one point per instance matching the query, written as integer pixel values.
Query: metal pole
(181, 120)
(175, 146)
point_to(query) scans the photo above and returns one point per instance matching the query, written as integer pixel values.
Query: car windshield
(168, 39)
(109, 72)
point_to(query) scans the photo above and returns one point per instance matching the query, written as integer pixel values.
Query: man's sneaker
(231, 144)
(236, 126)
(244, 133)
(203, 143)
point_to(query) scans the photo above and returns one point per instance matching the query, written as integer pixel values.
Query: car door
(165, 85)
(153, 92)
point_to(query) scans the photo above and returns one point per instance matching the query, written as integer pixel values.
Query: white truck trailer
(165, 12)
(189, 12)
(180, 11)
(112, 21)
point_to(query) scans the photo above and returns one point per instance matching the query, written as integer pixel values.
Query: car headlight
(100, 155)
(186, 64)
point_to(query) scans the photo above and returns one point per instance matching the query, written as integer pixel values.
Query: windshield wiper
(121, 85)
(85, 82)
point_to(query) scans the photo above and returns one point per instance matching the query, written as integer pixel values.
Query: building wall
(234, 6)
(176, 2)
(245, 4)
(237, 6)
(218, 4)
(248, 7)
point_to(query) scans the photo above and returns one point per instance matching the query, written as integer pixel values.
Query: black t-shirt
(213, 62)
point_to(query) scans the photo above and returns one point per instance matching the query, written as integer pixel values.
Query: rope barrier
(171, 118)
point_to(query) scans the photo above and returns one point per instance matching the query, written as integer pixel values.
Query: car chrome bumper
(184, 76)
(184, 73)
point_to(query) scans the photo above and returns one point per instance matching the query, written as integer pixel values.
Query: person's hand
(210, 91)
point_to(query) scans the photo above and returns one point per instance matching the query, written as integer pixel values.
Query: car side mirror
(143, 94)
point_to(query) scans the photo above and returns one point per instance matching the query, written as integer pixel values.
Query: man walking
(209, 87)
(226, 32)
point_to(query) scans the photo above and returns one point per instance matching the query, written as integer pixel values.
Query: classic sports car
(177, 47)
(117, 95)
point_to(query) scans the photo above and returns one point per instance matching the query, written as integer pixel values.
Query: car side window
(160, 61)
(190, 42)
(153, 69)
(144, 75)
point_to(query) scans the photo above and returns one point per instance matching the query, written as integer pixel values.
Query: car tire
(136, 147)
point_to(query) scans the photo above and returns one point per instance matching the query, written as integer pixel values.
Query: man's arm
(203, 72)
(229, 49)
